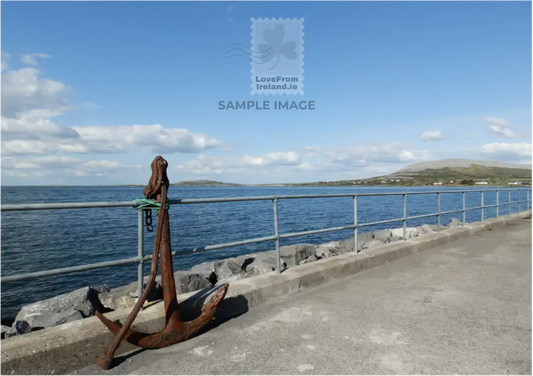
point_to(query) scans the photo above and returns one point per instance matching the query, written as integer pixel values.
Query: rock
(328, 250)
(436, 227)
(4, 329)
(156, 292)
(334, 244)
(294, 254)
(117, 298)
(126, 296)
(18, 328)
(74, 316)
(411, 232)
(454, 222)
(346, 246)
(308, 260)
(425, 229)
(207, 269)
(263, 262)
(60, 309)
(384, 236)
(232, 269)
(226, 270)
(37, 322)
(372, 244)
(187, 281)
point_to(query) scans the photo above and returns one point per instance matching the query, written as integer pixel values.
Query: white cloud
(5, 57)
(431, 136)
(59, 166)
(500, 126)
(247, 164)
(31, 59)
(373, 153)
(280, 159)
(344, 163)
(29, 103)
(158, 139)
(52, 139)
(35, 124)
(507, 150)
(305, 166)
(496, 121)
(23, 90)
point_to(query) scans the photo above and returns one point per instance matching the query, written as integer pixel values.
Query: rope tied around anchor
(147, 206)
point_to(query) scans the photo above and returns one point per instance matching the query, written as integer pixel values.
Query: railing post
(438, 211)
(497, 203)
(355, 224)
(464, 208)
(140, 253)
(404, 217)
(527, 202)
(482, 206)
(509, 202)
(276, 234)
(519, 203)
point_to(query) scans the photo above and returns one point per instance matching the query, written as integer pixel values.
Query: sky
(93, 91)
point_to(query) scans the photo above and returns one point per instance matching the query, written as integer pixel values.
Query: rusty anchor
(175, 330)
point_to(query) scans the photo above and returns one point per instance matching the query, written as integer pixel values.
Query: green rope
(150, 204)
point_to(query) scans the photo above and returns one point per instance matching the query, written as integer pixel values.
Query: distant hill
(463, 169)
(461, 163)
(457, 170)
(204, 183)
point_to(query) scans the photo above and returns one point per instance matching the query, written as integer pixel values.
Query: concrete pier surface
(460, 308)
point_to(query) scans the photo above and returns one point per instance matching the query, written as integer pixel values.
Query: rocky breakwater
(81, 303)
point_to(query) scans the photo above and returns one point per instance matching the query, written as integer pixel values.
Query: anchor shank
(167, 271)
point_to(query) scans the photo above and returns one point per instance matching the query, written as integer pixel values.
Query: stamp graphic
(278, 65)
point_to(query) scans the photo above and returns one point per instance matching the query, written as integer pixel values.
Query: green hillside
(477, 172)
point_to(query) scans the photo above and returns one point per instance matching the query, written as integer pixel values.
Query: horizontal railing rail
(141, 258)
(136, 203)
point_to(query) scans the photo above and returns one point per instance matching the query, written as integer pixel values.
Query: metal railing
(141, 258)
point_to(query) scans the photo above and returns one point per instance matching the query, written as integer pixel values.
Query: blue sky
(93, 91)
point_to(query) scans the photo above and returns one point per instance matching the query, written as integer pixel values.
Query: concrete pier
(458, 308)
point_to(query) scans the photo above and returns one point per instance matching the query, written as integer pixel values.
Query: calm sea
(40, 240)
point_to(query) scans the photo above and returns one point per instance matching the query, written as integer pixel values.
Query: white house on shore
(482, 182)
